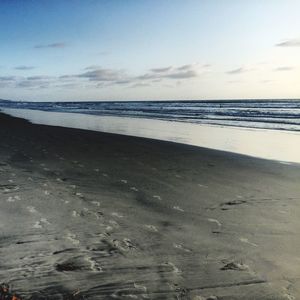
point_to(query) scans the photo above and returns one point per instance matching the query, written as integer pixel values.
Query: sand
(89, 215)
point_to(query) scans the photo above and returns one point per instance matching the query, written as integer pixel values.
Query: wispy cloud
(101, 74)
(7, 78)
(161, 70)
(236, 71)
(181, 72)
(289, 43)
(97, 76)
(24, 68)
(182, 75)
(53, 45)
(285, 68)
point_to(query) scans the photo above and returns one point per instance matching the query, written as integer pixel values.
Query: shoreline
(125, 217)
(251, 142)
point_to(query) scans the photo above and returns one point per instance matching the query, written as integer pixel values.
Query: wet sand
(89, 215)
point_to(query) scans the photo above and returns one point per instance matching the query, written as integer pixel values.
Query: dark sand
(116, 217)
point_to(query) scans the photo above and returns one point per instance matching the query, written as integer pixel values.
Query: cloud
(161, 70)
(283, 69)
(7, 78)
(141, 84)
(101, 74)
(182, 75)
(289, 43)
(53, 45)
(24, 68)
(185, 67)
(236, 71)
(39, 77)
(181, 72)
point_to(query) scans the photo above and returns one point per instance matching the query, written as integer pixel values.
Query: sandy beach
(89, 215)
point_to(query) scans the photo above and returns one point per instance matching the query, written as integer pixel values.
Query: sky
(62, 50)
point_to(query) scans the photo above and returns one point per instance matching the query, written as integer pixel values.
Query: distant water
(264, 114)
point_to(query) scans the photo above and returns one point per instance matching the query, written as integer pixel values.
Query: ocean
(265, 114)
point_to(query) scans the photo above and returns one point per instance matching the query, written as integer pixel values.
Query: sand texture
(88, 215)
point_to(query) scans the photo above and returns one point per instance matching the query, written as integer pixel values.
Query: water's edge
(267, 144)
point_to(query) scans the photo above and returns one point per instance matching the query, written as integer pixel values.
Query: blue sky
(149, 49)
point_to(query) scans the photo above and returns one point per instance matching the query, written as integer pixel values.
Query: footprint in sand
(174, 267)
(218, 224)
(178, 208)
(151, 228)
(13, 198)
(115, 214)
(215, 221)
(114, 223)
(246, 241)
(140, 287)
(31, 209)
(75, 214)
(94, 265)
(39, 224)
(157, 197)
(202, 185)
(80, 195)
(72, 238)
(179, 246)
(235, 267)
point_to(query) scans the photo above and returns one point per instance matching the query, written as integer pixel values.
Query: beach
(91, 215)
